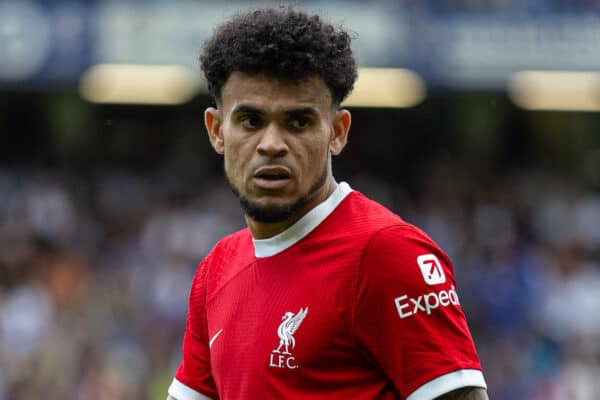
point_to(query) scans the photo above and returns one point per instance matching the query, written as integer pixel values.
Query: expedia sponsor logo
(432, 270)
(427, 303)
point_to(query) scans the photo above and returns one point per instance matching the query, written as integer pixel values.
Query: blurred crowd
(95, 271)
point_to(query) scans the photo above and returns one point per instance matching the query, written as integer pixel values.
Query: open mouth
(272, 173)
(271, 177)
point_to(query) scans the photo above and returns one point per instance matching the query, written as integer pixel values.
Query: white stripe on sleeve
(183, 392)
(447, 383)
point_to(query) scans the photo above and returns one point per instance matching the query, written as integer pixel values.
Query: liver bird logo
(289, 325)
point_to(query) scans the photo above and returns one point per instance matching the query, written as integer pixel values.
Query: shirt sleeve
(193, 379)
(408, 316)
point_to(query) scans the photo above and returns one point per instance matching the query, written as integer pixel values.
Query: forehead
(273, 94)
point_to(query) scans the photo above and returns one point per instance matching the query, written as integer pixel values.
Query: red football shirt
(351, 302)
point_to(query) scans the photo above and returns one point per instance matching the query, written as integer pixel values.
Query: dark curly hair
(283, 43)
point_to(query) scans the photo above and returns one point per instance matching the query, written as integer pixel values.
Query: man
(326, 294)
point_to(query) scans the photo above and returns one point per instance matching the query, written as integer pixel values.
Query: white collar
(276, 244)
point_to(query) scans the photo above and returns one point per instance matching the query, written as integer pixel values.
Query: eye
(250, 121)
(299, 123)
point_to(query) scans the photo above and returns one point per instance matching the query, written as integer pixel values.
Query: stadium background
(107, 207)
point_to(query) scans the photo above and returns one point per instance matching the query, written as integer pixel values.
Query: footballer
(326, 294)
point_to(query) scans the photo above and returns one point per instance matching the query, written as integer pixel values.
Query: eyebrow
(243, 108)
(302, 111)
(246, 109)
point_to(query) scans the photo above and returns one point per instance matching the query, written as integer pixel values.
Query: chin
(269, 213)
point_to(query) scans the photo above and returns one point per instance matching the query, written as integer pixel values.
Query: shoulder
(367, 211)
(231, 251)
(402, 238)
(384, 242)
(231, 246)
(404, 254)
(387, 233)
(358, 218)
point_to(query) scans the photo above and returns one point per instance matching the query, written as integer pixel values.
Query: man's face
(276, 138)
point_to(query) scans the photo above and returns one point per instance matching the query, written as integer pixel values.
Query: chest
(287, 321)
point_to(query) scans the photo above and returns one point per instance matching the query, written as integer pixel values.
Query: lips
(272, 177)
(272, 172)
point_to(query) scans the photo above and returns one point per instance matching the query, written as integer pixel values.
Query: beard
(280, 212)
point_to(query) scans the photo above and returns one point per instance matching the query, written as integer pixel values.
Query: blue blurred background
(108, 202)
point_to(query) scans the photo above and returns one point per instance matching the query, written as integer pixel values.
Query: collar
(278, 243)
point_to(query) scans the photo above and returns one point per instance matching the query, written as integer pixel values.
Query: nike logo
(212, 340)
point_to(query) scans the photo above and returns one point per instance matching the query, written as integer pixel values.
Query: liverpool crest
(281, 357)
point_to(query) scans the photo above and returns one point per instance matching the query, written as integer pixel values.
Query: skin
(467, 393)
(263, 122)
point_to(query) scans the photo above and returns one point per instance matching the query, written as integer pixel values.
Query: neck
(263, 230)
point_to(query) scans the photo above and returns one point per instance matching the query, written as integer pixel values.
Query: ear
(340, 128)
(212, 120)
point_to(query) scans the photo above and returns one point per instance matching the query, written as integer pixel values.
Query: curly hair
(282, 43)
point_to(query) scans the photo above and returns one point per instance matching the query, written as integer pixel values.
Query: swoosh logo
(212, 340)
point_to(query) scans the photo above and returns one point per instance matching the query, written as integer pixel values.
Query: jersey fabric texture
(351, 302)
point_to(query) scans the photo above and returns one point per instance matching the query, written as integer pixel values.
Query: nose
(272, 143)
